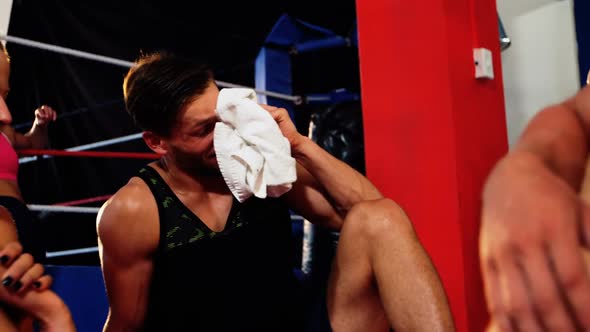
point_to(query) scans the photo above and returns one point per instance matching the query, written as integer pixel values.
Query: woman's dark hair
(159, 86)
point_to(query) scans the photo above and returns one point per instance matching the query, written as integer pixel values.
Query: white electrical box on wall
(484, 65)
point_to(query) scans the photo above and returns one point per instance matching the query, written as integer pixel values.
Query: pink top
(8, 160)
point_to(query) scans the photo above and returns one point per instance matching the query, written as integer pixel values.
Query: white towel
(253, 155)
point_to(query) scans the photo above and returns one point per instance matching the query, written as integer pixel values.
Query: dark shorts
(28, 226)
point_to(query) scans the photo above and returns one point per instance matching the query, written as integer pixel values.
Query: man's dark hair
(159, 86)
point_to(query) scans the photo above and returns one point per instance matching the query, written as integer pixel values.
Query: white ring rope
(87, 209)
(71, 252)
(126, 64)
(107, 142)
(86, 147)
(67, 51)
(66, 209)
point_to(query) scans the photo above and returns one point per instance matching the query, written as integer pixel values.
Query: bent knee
(378, 217)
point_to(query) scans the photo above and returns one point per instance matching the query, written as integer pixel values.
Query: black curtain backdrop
(88, 95)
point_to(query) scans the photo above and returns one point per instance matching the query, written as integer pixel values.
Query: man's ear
(155, 142)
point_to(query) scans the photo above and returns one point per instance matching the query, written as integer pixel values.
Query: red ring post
(432, 131)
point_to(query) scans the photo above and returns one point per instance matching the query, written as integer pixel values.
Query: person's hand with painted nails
(25, 289)
(22, 273)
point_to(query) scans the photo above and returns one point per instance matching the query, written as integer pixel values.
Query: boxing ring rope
(90, 146)
(127, 64)
(84, 201)
(89, 209)
(66, 209)
(107, 142)
(71, 252)
(67, 51)
(90, 154)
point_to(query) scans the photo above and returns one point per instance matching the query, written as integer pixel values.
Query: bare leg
(382, 277)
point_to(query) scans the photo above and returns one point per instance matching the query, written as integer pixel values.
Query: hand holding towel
(253, 155)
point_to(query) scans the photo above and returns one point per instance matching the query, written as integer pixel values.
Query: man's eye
(202, 132)
(207, 128)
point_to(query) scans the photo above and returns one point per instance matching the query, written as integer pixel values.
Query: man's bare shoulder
(131, 213)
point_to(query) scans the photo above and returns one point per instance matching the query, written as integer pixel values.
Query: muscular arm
(345, 186)
(128, 236)
(558, 138)
(534, 222)
(326, 188)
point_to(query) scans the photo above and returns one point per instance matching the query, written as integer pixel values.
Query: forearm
(45, 306)
(37, 136)
(345, 186)
(122, 322)
(558, 138)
